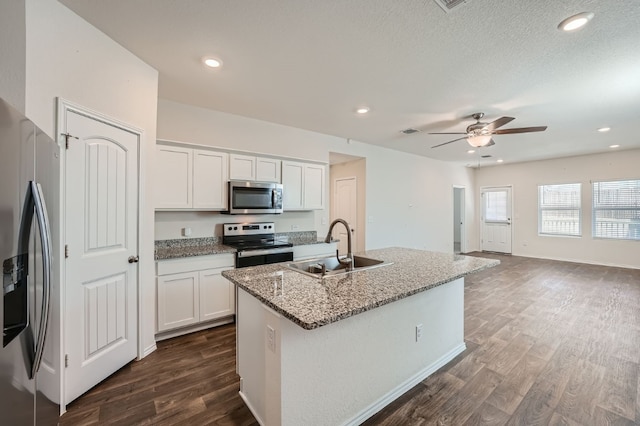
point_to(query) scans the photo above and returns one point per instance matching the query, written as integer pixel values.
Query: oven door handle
(252, 253)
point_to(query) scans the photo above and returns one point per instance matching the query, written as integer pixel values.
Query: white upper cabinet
(313, 187)
(174, 179)
(268, 170)
(260, 169)
(292, 185)
(189, 179)
(242, 167)
(210, 177)
(303, 185)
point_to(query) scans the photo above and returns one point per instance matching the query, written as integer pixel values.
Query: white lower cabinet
(192, 293)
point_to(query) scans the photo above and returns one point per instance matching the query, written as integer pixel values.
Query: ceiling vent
(409, 131)
(486, 156)
(449, 5)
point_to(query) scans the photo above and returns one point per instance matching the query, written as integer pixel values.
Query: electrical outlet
(271, 339)
(186, 232)
(418, 332)
(295, 227)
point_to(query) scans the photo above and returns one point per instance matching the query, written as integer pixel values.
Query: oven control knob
(235, 228)
(229, 228)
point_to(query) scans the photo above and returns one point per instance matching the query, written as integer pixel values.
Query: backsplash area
(172, 225)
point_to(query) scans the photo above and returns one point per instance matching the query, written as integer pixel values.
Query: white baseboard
(148, 350)
(404, 387)
(250, 407)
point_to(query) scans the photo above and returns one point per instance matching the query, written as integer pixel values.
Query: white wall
(525, 178)
(67, 57)
(409, 198)
(12, 53)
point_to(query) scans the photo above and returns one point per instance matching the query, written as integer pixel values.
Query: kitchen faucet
(347, 261)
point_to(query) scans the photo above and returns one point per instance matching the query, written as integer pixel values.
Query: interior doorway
(459, 219)
(347, 175)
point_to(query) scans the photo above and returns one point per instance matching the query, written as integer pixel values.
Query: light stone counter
(311, 303)
(189, 247)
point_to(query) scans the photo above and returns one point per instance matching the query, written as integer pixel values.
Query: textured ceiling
(310, 63)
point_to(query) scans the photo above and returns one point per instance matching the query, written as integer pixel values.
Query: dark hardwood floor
(547, 343)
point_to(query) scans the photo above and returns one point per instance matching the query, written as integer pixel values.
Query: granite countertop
(188, 247)
(311, 302)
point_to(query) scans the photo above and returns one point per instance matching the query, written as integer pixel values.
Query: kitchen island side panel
(344, 372)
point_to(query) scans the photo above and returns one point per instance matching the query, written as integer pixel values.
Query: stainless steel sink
(329, 266)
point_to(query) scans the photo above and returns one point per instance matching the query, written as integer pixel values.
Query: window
(495, 206)
(559, 209)
(616, 209)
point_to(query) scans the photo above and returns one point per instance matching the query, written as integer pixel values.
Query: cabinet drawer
(196, 263)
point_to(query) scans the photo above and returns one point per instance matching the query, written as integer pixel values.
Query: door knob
(133, 259)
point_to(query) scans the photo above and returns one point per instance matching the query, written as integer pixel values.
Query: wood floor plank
(579, 400)
(618, 393)
(511, 391)
(562, 337)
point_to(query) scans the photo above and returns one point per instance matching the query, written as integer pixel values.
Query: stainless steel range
(256, 243)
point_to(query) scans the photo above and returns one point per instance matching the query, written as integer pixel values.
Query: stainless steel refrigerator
(29, 181)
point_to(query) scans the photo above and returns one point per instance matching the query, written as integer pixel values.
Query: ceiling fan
(479, 134)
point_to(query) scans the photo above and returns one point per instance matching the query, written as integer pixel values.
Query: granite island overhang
(337, 350)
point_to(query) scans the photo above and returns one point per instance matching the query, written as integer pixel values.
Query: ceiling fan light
(478, 141)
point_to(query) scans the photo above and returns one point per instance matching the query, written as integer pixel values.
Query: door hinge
(66, 137)
(66, 251)
(66, 360)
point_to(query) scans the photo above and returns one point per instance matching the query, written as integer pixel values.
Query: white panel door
(216, 295)
(496, 219)
(174, 180)
(293, 185)
(101, 232)
(210, 176)
(345, 198)
(313, 187)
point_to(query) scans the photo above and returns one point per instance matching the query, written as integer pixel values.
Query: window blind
(559, 209)
(616, 209)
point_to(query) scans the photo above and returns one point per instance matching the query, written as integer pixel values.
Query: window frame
(577, 208)
(594, 209)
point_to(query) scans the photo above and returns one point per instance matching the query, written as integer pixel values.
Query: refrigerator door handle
(45, 243)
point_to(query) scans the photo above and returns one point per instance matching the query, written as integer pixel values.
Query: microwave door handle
(45, 243)
(274, 197)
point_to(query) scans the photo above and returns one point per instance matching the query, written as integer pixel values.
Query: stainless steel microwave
(246, 197)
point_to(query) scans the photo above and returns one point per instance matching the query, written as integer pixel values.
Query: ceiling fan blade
(520, 130)
(456, 133)
(499, 123)
(446, 143)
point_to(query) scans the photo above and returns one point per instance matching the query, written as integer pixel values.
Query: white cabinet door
(173, 183)
(216, 295)
(293, 185)
(242, 167)
(210, 177)
(268, 170)
(313, 187)
(178, 296)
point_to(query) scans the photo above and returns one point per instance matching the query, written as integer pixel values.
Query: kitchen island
(336, 350)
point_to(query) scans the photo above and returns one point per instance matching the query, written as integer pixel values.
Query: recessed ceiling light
(604, 129)
(212, 62)
(499, 160)
(576, 21)
(471, 151)
(614, 146)
(363, 110)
